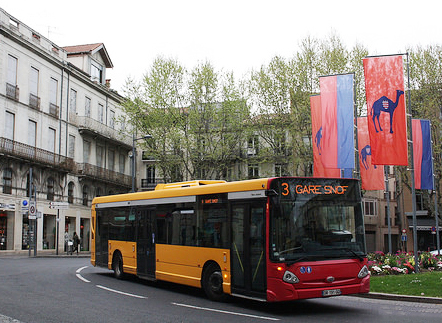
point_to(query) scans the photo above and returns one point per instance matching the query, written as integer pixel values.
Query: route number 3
(285, 189)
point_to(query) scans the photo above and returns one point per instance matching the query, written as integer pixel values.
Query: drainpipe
(60, 113)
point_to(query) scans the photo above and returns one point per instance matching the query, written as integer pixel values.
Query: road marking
(119, 292)
(80, 269)
(81, 277)
(227, 312)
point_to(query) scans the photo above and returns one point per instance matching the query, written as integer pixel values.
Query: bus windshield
(316, 219)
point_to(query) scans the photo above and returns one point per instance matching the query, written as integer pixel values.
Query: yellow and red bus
(271, 239)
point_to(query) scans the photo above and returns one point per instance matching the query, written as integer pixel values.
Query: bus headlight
(363, 272)
(290, 277)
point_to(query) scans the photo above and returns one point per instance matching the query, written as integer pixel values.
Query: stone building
(60, 140)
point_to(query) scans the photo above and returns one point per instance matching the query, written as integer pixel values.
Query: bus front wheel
(117, 266)
(213, 283)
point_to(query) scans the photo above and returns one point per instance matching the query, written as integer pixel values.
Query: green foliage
(195, 117)
(201, 119)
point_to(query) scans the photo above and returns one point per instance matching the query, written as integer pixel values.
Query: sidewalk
(42, 254)
(402, 298)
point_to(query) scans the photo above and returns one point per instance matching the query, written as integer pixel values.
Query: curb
(402, 298)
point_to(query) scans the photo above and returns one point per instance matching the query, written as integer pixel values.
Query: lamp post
(133, 157)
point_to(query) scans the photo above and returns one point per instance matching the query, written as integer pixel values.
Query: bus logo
(305, 270)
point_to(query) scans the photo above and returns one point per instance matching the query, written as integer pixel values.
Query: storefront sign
(6, 206)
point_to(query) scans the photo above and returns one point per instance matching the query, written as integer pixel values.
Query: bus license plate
(331, 292)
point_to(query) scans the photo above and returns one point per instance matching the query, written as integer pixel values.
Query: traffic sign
(59, 205)
(32, 210)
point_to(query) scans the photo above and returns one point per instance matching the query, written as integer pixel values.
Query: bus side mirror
(271, 193)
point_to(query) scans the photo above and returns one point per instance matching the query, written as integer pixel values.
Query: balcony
(12, 91)
(149, 184)
(34, 101)
(87, 125)
(146, 157)
(53, 110)
(35, 155)
(104, 175)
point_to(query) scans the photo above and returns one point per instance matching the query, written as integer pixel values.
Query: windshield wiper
(292, 261)
(361, 258)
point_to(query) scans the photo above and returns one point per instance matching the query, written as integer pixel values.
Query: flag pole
(436, 215)
(413, 189)
(387, 191)
(355, 124)
(436, 211)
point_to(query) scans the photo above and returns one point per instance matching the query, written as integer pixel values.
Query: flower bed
(401, 263)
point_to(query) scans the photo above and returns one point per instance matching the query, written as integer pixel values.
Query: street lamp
(133, 158)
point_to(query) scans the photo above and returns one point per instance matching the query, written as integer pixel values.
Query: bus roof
(199, 187)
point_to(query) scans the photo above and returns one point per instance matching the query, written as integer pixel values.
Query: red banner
(387, 123)
(318, 167)
(372, 176)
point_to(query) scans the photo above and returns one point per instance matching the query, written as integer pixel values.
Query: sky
(233, 35)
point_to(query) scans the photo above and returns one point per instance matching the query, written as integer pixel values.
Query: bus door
(101, 239)
(145, 242)
(248, 249)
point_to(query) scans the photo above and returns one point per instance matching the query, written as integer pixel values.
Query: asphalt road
(71, 290)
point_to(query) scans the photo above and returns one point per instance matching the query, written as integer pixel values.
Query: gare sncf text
(315, 189)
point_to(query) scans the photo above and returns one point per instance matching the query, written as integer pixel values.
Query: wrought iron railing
(33, 154)
(97, 127)
(104, 174)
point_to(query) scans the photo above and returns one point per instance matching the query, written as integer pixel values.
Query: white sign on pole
(59, 205)
(32, 210)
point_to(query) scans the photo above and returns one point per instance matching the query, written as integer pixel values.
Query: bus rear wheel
(117, 266)
(213, 283)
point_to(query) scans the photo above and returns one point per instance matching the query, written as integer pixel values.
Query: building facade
(60, 138)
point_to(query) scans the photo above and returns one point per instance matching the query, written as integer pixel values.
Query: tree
(270, 89)
(155, 107)
(426, 100)
(195, 119)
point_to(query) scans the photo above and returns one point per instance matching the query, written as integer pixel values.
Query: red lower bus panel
(336, 277)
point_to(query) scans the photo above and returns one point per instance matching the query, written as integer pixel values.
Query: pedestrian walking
(76, 242)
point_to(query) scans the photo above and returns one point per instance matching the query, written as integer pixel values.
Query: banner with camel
(386, 114)
(318, 168)
(337, 106)
(372, 176)
(422, 154)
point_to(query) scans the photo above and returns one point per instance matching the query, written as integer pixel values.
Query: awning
(423, 223)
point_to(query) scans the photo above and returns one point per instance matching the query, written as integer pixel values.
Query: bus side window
(164, 224)
(214, 221)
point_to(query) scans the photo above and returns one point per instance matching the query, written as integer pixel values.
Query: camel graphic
(318, 138)
(384, 104)
(366, 151)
